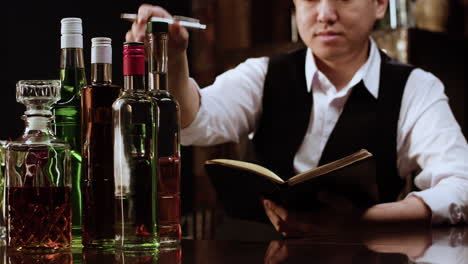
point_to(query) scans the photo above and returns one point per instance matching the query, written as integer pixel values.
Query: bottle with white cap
(67, 110)
(97, 146)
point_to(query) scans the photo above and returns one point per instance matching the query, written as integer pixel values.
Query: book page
(247, 166)
(329, 167)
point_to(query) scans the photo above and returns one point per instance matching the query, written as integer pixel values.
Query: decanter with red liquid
(38, 181)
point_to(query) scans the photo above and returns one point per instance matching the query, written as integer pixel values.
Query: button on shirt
(430, 143)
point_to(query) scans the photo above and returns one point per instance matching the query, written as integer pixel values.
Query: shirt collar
(369, 72)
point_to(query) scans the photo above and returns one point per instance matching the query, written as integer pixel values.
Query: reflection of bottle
(37, 257)
(134, 116)
(170, 256)
(137, 257)
(163, 256)
(167, 137)
(97, 146)
(38, 175)
(67, 110)
(97, 255)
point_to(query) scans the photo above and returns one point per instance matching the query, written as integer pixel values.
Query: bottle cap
(157, 27)
(133, 58)
(72, 31)
(101, 50)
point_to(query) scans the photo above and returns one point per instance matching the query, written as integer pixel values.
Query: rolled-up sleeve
(230, 107)
(431, 144)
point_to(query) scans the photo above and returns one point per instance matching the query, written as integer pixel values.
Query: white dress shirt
(430, 143)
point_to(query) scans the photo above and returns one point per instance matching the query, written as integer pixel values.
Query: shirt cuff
(444, 209)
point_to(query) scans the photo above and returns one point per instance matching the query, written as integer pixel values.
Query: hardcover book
(241, 185)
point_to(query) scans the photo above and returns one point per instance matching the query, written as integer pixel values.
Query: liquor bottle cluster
(97, 163)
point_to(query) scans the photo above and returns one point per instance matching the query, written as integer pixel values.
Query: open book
(240, 185)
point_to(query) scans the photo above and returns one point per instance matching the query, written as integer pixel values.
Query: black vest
(366, 122)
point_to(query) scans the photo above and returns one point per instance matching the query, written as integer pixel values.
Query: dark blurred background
(31, 33)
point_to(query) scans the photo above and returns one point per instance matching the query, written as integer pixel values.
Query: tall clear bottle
(97, 146)
(67, 110)
(38, 175)
(134, 117)
(167, 137)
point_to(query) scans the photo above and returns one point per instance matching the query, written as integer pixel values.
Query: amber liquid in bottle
(97, 152)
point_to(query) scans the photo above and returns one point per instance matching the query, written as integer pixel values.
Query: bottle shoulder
(163, 97)
(34, 143)
(94, 86)
(131, 99)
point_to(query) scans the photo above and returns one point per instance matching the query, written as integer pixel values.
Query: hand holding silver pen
(178, 34)
(183, 21)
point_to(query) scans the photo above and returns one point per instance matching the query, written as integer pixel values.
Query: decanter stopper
(38, 96)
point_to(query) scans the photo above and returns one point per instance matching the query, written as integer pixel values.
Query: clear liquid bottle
(134, 118)
(38, 178)
(97, 146)
(67, 110)
(168, 142)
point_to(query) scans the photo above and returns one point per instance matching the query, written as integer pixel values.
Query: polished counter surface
(439, 245)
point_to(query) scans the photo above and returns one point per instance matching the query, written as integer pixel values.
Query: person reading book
(316, 105)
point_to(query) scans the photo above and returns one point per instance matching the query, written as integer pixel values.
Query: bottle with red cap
(135, 172)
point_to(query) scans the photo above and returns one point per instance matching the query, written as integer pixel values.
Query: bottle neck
(134, 82)
(101, 73)
(38, 126)
(158, 45)
(71, 58)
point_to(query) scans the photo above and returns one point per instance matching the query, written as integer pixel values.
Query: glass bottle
(134, 116)
(38, 178)
(97, 146)
(168, 127)
(67, 110)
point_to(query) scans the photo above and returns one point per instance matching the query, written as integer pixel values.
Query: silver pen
(183, 21)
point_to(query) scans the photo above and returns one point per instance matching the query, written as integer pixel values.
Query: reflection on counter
(395, 246)
(438, 246)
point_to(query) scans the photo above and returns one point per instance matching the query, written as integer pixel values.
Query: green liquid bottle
(67, 110)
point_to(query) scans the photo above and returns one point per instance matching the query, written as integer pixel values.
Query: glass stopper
(38, 96)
